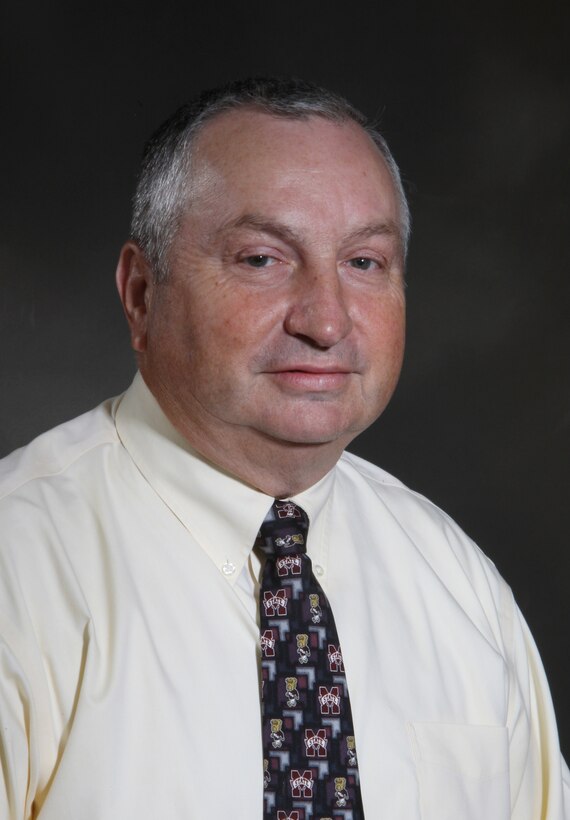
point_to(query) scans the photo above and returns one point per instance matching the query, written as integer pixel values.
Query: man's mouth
(311, 377)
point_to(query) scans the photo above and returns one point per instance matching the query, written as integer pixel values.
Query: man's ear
(135, 283)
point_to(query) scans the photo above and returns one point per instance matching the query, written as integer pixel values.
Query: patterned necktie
(310, 768)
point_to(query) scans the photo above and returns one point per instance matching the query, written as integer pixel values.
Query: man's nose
(319, 311)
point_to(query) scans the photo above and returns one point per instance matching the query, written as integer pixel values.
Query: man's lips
(303, 367)
(311, 377)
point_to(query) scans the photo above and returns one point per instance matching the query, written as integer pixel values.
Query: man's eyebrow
(388, 228)
(259, 223)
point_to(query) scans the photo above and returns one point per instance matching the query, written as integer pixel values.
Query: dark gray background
(475, 101)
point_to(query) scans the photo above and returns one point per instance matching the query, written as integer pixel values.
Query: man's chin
(313, 434)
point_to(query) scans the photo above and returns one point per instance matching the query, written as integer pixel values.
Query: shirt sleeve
(29, 744)
(539, 776)
(17, 723)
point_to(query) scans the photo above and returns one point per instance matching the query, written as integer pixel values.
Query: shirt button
(228, 568)
(319, 570)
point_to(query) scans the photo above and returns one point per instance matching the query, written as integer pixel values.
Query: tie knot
(284, 530)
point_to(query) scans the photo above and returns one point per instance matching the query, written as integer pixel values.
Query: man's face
(283, 312)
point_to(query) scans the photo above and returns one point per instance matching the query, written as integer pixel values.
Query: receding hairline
(199, 143)
(198, 129)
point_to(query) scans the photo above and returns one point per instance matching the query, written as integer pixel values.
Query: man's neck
(275, 467)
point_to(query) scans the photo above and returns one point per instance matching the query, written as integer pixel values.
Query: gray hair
(164, 180)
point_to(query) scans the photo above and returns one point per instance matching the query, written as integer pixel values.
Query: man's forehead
(254, 170)
(246, 146)
(247, 125)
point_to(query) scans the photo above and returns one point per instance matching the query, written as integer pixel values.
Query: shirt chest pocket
(463, 771)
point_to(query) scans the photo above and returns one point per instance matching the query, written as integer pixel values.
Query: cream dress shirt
(129, 646)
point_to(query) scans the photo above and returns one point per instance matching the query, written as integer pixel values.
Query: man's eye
(259, 260)
(363, 263)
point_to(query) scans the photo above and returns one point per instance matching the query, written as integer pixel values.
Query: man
(264, 289)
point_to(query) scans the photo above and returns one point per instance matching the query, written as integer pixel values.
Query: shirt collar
(221, 512)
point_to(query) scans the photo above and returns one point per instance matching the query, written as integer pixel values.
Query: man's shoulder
(56, 451)
(370, 472)
(367, 483)
(440, 541)
(369, 479)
